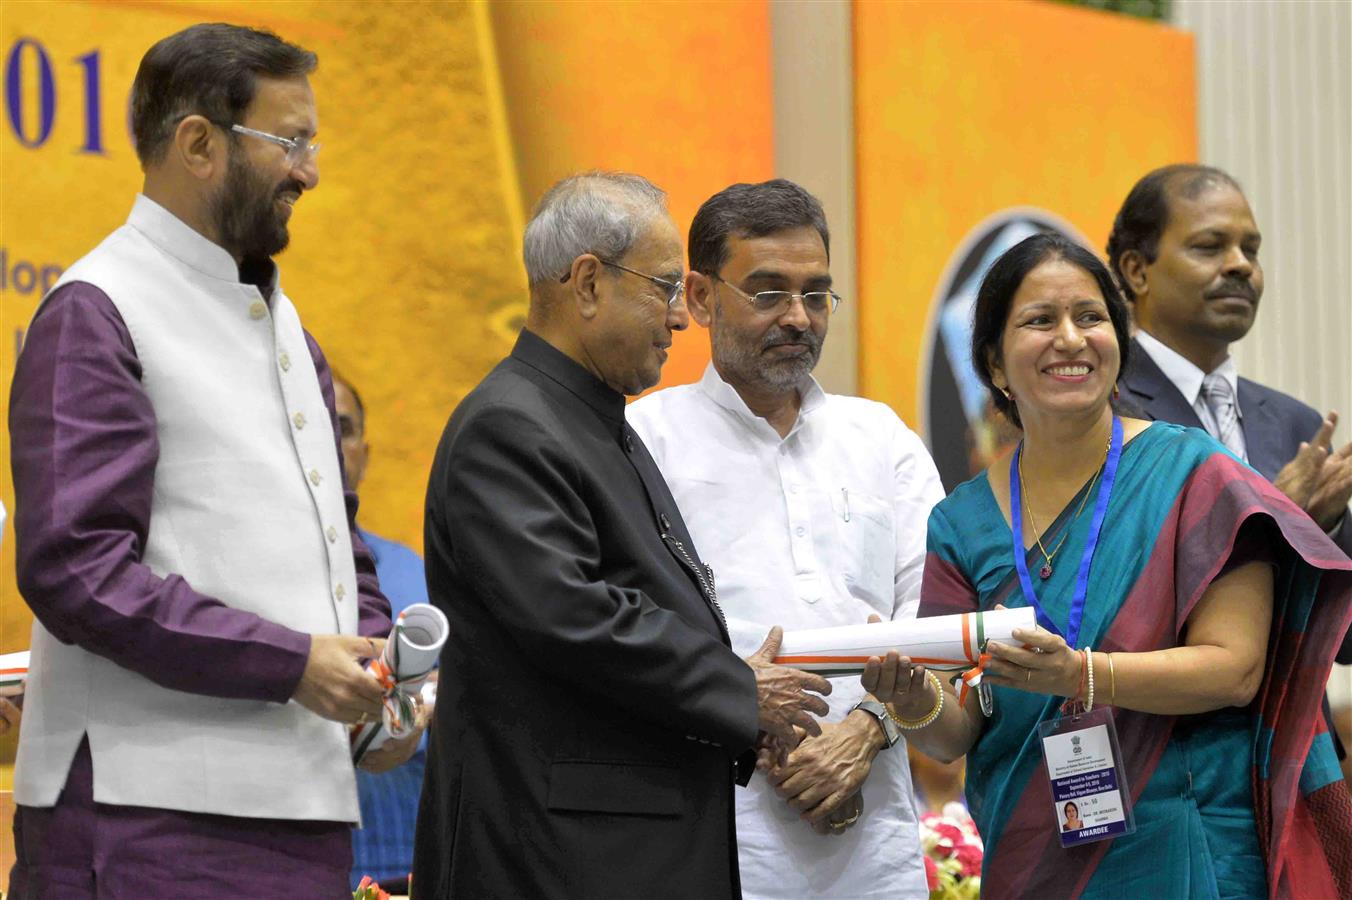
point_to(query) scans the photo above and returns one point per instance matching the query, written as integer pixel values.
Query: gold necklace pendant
(1046, 571)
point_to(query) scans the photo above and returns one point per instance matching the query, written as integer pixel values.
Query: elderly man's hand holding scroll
(782, 695)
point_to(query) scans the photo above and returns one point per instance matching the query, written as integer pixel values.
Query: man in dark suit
(592, 716)
(1184, 248)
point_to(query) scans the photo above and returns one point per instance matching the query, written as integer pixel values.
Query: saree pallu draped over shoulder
(1236, 802)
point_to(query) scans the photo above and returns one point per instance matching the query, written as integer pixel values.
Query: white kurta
(822, 527)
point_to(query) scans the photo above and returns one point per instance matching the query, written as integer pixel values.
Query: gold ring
(851, 820)
(837, 826)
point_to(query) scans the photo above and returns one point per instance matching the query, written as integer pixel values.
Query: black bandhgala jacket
(591, 712)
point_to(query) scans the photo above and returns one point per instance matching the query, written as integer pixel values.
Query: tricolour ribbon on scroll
(13, 673)
(946, 643)
(411, 652)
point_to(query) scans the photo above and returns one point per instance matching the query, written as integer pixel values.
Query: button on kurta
(314, 477)
(284, 361)
(258, 309)
(299, 419)
(331, 534)
(340, 592)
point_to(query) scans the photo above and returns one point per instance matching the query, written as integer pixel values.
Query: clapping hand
(1319, 479)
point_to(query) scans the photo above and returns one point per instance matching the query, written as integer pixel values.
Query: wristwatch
(891, 733)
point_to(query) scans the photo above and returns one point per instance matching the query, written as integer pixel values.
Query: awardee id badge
(1090, 799)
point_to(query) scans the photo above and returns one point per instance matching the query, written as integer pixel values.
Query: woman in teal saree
(1220, 602)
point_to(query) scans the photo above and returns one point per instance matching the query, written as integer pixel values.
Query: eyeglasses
(779, 301)
(298, 150)
(675, 289)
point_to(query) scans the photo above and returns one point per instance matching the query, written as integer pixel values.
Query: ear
(1133, 266)
(996, 370)
(699, 297)
(199, 146)
(584, 279)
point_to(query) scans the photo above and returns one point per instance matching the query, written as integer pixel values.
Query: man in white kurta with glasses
(811, 508)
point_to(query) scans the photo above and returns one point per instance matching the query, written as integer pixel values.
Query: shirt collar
(549, 360)
(726, 396)
(178, 239)
(1182, 372)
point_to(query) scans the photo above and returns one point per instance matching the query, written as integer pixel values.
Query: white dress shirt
(1188, 379)
(822, 527)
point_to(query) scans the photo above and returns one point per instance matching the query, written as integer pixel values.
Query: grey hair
(595, 212)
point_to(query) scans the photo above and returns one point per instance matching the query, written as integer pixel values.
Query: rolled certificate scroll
(412, 650)
(947, 643)
(13, 673)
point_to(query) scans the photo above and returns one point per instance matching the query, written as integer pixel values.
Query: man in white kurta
(811, 508)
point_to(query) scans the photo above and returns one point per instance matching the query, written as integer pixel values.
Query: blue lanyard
(1072, 632)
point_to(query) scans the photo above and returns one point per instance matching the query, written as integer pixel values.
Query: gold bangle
(929, 717)
(1112, 682)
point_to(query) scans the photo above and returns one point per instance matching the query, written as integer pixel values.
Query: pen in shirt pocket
(845, 496)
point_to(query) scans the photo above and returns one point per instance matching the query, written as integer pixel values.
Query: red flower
(952, 832)
(969, 855)
(931, 874)
(369, 889)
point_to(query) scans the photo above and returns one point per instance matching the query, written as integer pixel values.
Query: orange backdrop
(681, 95)
(404, 262)
(441, 123)
(965, 109)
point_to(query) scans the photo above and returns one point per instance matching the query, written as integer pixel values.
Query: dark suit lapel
(1146, 386)
(1263, 431)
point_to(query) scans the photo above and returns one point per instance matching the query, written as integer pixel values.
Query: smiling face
(1059, 351)
(767, 351)
(252, 205)
(1202, 291)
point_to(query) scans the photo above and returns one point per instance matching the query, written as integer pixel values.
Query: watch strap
(891, 733)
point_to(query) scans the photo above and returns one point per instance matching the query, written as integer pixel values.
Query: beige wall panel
(813, 57)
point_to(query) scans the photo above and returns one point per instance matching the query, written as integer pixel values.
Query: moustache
(782, 337)
(1234, 288)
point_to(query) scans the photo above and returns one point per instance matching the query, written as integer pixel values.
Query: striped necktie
(1220, 400)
